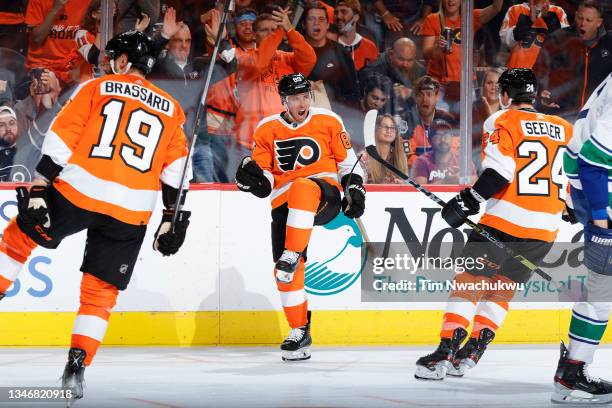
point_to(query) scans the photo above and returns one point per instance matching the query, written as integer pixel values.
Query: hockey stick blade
(369, 129)
(371, 149)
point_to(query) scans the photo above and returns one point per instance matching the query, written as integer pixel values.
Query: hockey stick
(228, 8)
(369, 127)
(360, 226)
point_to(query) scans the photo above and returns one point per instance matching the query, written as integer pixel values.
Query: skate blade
(456, 371)
(297, 355)
(438, 372)
(461, 368)
(564, 395)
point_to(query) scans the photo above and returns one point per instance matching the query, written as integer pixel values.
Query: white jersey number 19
(143, 130)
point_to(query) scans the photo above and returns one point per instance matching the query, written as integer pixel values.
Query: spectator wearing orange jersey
(362, 50)
(444, 57)
(13, 33)
(54, 24)
(526, 27)
(261, 68)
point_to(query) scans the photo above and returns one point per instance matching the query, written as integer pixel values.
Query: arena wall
(220, 290)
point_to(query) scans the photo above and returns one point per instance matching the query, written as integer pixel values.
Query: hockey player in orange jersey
(302, 159)
(525, 188)
(112, 147)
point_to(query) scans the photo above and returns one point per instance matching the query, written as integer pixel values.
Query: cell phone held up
(40, 88)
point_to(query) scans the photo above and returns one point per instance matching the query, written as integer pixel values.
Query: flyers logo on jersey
(297, 152)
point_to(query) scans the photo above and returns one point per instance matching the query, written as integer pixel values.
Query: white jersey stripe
(523, 217)
(171, 175)
(108, 191)
(54, 147)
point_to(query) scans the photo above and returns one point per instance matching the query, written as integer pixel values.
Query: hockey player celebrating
(524, 187)
(112, 147)
(302, 159)
(588, 165)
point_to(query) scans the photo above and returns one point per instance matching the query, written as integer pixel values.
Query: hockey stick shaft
(360, 226)
(371, 149)
(228, 8)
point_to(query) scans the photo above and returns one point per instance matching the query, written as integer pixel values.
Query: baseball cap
(6, 109)
(438, 126)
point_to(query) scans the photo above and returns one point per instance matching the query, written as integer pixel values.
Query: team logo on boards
(334, 257)
(297, 152)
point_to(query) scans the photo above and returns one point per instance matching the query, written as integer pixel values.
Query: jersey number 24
(528, 181)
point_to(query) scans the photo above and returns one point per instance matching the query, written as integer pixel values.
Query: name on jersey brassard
(294, 153)
(134, 91)
(542, 128)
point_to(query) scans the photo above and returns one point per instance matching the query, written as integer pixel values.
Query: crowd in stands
(400, 57)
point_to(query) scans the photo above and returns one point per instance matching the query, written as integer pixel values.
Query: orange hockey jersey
(525, 54)
(318, 147)
(526, 148)
(116, 138)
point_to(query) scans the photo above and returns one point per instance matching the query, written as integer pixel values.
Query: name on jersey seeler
(134, 91)
(543, 128)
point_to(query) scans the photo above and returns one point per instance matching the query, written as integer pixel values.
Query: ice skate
(471, 352)
(73, 376)
(2, 295)
(574, 385)
(434, 366)
(286, 265)
(296, 346)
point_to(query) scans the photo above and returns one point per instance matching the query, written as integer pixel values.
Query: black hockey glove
(523, 32)
(457, 209)
(32, 206)
(353, 203)
(552, 22)
(569, 215)
(166, 241)
(250, 178)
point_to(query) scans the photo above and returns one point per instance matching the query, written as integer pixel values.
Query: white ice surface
(248, 377)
